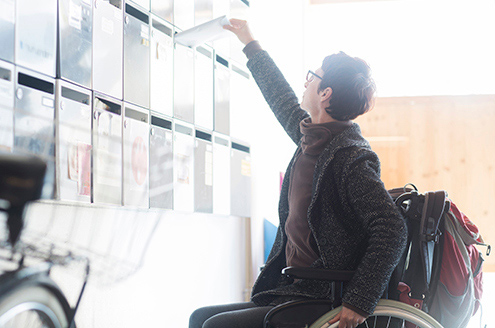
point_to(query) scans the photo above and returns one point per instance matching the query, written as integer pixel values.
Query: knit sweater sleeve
(384, 226)
(277, 93)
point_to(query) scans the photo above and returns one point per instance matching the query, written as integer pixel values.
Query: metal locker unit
(145, 4)
(221, 174)
(7, 73)
(183, 83)
(7, 30)
(240, 180)
(203, 88)
(203, 11)
(184, 14)
(36, 35)
(108, 39)
(136, 133)
(203, 173)
(136, 57)
(222, 95)
(161, 163)
(221, 8)
(107, 150)
(239, 103)
(75, 40)
(183, 167)
(238, 9)
(73, 141)
(34, 121)
(162, 67)
(163, 9)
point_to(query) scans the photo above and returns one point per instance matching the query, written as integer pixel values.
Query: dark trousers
(237, 315)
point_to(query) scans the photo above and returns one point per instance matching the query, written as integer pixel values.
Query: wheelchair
(388, 313)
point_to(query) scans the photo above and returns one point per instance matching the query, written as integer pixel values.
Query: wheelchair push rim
(386, 309)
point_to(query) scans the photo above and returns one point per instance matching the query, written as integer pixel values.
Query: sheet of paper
(209, 31)
(84, 169)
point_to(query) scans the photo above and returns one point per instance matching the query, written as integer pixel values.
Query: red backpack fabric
(442, 273)
(460, 286)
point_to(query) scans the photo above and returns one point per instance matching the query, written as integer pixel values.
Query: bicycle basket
(113, 239)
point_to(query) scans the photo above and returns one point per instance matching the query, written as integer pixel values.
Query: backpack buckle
(435, 237)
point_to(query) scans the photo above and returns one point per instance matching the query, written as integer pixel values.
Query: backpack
(441, 269)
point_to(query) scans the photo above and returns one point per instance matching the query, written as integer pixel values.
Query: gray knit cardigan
(351, 216)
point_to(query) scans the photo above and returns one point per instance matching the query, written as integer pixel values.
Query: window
(414, 47)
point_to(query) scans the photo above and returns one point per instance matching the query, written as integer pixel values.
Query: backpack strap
(429, 234)
(424, 213)
(433, 209)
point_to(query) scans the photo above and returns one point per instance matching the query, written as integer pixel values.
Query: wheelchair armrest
(318, 274)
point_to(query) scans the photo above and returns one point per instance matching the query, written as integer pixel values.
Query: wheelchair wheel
(32, 303)
(388, 314)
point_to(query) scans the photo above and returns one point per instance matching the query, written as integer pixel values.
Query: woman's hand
(348, 318)
(241, 29)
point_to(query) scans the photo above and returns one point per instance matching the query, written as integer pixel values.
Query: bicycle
(28, 296)
(32, 246)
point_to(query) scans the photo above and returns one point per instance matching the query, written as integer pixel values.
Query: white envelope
(205, 32)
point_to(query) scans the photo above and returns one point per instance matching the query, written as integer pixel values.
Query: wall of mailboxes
(122, 114)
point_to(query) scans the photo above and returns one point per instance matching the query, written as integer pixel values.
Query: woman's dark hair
(353, 89)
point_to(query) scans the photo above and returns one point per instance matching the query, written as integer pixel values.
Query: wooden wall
(440, 142)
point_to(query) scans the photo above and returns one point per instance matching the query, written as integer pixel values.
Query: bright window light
(414, 47)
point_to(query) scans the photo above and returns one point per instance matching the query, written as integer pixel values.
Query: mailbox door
(36, 35)
(240, 180)
(203, 89)
(162, 68)
(184, 14)
(222, 96)
(136, 57)
(107, 150)
(34, 121)
(107, 47)
(239, 103)
(145, 4)
(161, 163)
(220, 8)
(75, 41)
(203, 11)
(240, 10)
(221, 175)
(6, 106)
(7, 30)
(183, 168)
(135, 154)
(73, 135)
(163, 9)
(183, 83)
(203, 173)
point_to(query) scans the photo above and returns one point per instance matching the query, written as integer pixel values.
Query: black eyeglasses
(311, 76)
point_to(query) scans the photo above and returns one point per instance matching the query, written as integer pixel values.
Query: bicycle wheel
(388, 314)
(33, 303)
